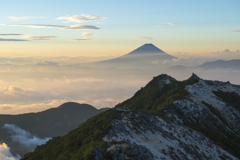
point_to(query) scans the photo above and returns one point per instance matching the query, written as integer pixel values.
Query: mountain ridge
(166, 119)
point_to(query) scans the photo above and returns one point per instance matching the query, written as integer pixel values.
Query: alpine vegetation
(166, 119)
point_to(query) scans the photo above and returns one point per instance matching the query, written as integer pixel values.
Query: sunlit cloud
(173, 24)
(73, 27)
(87, 34)
(144, 38)
(17, 18)
(5, 153)
(31, 37)
(81, 18)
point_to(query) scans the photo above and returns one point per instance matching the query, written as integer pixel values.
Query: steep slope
(166, 119)
(144, 55)
(231, 64)
(49, 123)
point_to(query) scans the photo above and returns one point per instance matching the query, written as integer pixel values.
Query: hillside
(166, 119)
(49, 123)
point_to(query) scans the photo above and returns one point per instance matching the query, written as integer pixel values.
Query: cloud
(87, 34)
(27, 36)
(226, 54)
(13, 34)
(83, 39)
(235, 30)
(144, 38)
(23, 137)
(73, 27)
(11, 95)
(5, 153)
(41, 37)
(2, 39)
(17, 18)
(81, 18)
(173, 24)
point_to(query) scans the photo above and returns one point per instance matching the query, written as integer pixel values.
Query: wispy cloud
(12, 34)
(3, 39)
(235, 30)
(144, 38)
(83, 39)
(173, 24)
(73, 27)
(81, 18)
(87, 34)
(41, 37)
(28, 37)
(17, 18)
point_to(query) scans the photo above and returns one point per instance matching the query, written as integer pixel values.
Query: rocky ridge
(166, 119)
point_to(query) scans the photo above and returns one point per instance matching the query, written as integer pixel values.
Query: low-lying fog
(34, 84)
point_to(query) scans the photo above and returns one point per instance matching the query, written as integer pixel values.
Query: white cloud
(173, 24)
(73, 27)
(81, 18)
(23, 137)
(17, 18)
(144, 38)
(87, 34)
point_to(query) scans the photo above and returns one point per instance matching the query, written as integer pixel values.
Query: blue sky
(188, 26)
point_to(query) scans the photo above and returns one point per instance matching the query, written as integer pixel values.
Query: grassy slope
(79, 142)
(155, 97)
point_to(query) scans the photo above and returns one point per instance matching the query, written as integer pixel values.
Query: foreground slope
(166, 119)
(49, 123)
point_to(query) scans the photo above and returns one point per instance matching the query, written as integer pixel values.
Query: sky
(111, 28)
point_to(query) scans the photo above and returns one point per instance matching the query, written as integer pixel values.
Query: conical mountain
(147, 54)
(147, 48)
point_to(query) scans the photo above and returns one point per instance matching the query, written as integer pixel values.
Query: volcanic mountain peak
(146, 49)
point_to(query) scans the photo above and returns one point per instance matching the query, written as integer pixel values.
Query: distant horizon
(75, 28)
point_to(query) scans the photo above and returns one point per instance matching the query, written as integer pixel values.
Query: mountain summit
(147, 54)
(147, 48)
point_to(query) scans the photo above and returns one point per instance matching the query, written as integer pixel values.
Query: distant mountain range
(166, 119)
(222, 64)
(49, 123)
(146, 54)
